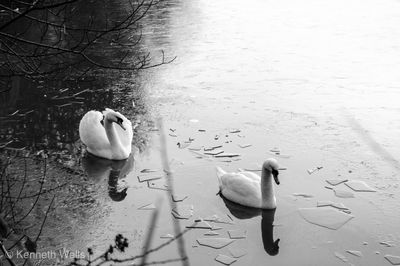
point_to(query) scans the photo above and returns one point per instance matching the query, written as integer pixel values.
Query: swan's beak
(119, 122)
(275, 174)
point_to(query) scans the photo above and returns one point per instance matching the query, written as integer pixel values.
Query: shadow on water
(271, 247)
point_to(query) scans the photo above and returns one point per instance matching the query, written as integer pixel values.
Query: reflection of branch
(169, 177)
(38, 195)
(150, 232)
(115, 260)
(44, 219)
(4, 250)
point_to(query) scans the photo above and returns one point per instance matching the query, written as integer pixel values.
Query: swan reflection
(98, 169)
(267, 223)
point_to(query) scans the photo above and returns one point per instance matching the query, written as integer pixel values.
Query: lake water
(317, 81)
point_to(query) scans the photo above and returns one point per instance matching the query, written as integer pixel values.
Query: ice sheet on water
(216, 243)
(214, 152)
(237, 234)
(335, 182)
(168, 236)
(179, 198)
(229, 155)
(149, 206)
(211, 233)
(340, 193)
(182, 211)
(327, 217)
(200, 225)
(355, 253)
(237, 252)
(394, 260)
(143, 178)
(244, 145)
(359, 186)
(336, 205)
(341, 256)
(226, 260)
(303, 195)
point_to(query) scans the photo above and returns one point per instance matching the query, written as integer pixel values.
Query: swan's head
(272, 166)
(116, 118)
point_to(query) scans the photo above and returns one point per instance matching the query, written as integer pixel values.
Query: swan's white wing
(241, 189)
(252, 176)
(92, 132)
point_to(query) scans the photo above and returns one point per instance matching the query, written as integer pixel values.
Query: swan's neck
(267, 190)
(112, 136)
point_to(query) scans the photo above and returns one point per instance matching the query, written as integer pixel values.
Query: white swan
(102, 138)
(249, 189)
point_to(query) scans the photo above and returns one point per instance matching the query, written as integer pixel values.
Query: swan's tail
(220, 173)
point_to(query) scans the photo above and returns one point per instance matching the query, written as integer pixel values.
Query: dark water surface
(317, 80)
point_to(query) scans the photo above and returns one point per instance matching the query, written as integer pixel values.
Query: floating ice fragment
(343, 193)
(200, 225)
(216, 219)
(212, 147)
(178, 198)
(359, 186)
(211, 233)
(311, 171)
(222, 155)
(234, 131)
(304, 195)
(157, 185)
(244, 145)
(326, 217)
(394, 260)
(387, 243)
(167, 236)
(182, 145)
(341, 257)
(173, 135)
(194, 120)
(182, 211)
(339, 206)
(196, 148)
(143, 178)
(335, 182)
(355, 253)
(202, 130)
(148, 170)
(226, 260)
(237, 234)
(237, 252)
(149, 206)
(214, 152)
(216, 243)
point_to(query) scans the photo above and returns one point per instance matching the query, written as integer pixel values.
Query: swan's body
(107, 135)
(249, 189)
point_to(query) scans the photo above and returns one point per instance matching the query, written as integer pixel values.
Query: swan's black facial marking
(275, 174)
(119, 122)
(102, 121)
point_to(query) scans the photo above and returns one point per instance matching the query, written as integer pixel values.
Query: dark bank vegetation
(70, 38)
(58, 59)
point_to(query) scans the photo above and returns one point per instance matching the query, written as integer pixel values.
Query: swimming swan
(249, 189)
(102, 138)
